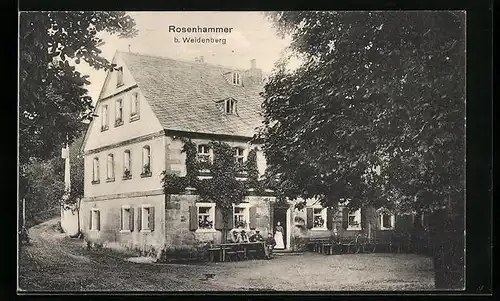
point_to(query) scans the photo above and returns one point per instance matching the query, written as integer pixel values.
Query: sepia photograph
(241, 151)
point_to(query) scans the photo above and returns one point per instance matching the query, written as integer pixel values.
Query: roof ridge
(180, 60)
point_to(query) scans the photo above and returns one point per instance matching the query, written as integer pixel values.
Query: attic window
(230, 106)
(236, 78)
(119, 76)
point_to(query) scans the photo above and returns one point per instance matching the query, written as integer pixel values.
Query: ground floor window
(241, 216)
(95, 220)
(204, 216)
(354, 220)
(319, 218)
(147, 218)
(387, 221)
(127, 218)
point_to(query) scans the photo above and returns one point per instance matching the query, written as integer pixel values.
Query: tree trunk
(448, 246)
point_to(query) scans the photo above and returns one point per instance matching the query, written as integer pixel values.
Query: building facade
(144, 106)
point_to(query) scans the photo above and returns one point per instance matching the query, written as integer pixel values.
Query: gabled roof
(183, 95)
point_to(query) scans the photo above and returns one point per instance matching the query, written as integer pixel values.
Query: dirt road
(56, 262)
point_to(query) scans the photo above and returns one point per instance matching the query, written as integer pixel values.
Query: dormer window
(236, 80)
(230, 106)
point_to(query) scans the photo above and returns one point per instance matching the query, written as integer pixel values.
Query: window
(230, 106)
(319, 218)
(119, 76)
(119, 112)
(127, 174)
(354, 220)
(95, 220)
(146, 161)
(236, 78)
(238, 155)
(241, 216)
(147, 218)
(104, 118)
(134, 107)
(387, 221)
(204, 153)
(95, 171)
(206, 216)
(110, 168)
(127, 219)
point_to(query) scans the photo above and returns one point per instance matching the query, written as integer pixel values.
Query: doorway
(280, 214)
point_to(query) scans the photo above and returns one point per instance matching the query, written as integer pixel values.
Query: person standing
(278, 236)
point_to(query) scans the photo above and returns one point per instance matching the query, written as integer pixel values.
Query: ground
(56, 262)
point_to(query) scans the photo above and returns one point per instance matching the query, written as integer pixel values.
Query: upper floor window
(119, 76)
(134, 106)
(236, 79)
(95, 170)
(127, 174)
(119, 112)
(146, 161)
(230, 106)
(203, 153)
(111, 168)
(104, 118)
(238, 155)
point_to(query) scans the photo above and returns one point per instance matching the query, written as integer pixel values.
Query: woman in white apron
(278, 237)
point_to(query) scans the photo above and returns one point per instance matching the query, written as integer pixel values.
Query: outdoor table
(244, 245)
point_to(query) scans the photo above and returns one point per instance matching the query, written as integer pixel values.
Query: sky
(252, 37)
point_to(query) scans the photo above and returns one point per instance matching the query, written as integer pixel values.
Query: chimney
(253, 64)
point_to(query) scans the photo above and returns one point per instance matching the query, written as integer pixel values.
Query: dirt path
(56, 262)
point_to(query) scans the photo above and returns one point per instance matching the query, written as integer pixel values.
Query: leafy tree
(374, 114)
(53, 99)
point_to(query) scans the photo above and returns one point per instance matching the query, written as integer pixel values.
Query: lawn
(55, 262)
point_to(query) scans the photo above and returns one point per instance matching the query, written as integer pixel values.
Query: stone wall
(110, 228)
(178, 234)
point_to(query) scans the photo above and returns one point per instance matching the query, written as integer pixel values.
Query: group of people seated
(241, 236)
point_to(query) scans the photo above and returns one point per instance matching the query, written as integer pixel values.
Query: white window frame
(104, 117)
(323, 216)
(119, 111)
(237, 156)
(94, 224)
(393, 221)
(230, 106)
(212, 216)
(236, 78)
(127, 161)
(145, 218)
(357, 216)
(146, 159)
(119, 77)
(246, 214)
(206, 154)
(125, 208)
(110, 172)
(95, 169)
(135, 104)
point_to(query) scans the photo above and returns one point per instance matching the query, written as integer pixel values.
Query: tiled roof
(183, 95)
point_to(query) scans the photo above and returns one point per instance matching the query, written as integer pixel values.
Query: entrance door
(279, 215)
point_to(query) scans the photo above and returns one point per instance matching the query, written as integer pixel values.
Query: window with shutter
(147, 218)
(354, 220)
(329, 218)
(387, 221)
(205, 217)
(241, 216)
(125, 218)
